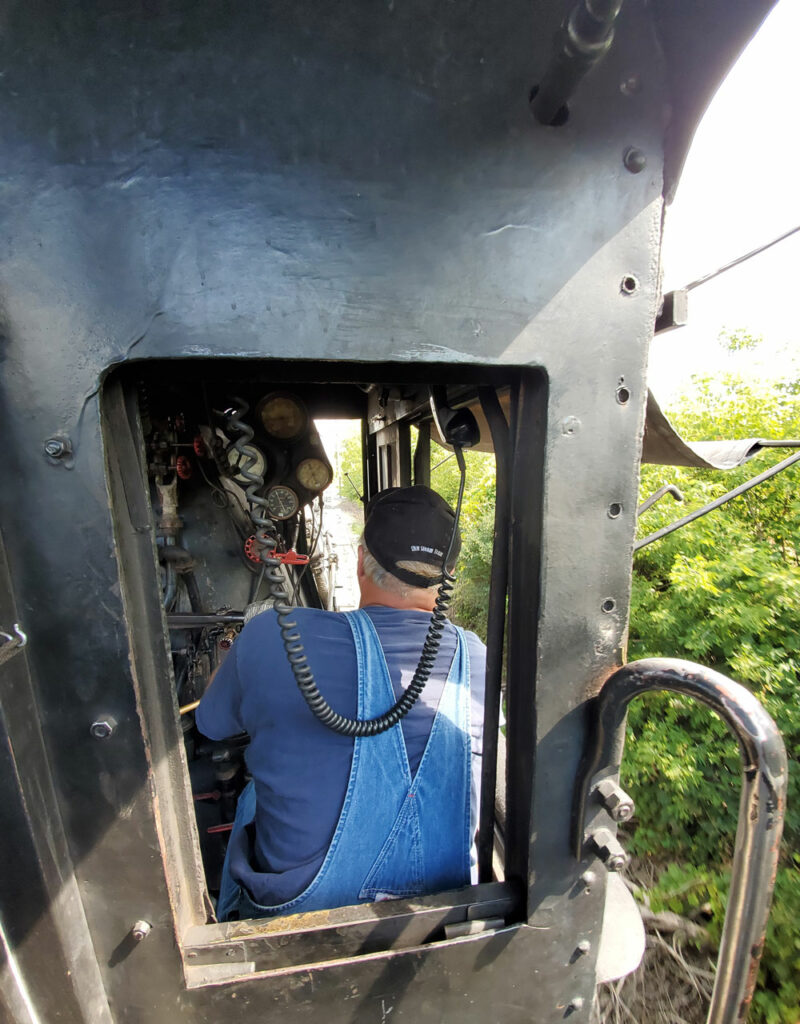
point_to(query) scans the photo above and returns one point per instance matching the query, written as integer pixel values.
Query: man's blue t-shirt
(301, 768)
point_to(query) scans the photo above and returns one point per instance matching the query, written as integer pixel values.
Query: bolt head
(584, 946)
(576, 1003)
(56, 447)
(141, 930)
(103, 727)
(588, 878)
(634, 159)
(631, 85)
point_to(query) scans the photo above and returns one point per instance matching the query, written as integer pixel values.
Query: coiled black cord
(295, 652)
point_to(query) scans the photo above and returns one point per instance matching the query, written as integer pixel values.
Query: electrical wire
(739, 259)
(214, 487)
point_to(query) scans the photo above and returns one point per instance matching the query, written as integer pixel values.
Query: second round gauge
(282, 502)
(313, 474)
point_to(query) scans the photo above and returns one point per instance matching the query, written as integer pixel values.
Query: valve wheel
(251, 550)
(183, 467)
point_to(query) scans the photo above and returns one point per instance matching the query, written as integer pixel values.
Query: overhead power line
(740, 259)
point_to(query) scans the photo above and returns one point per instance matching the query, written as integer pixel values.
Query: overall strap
(428, 848)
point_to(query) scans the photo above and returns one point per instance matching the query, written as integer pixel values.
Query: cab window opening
(203, 546)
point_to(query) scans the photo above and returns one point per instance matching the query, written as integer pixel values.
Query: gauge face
(313, 474)
(249, 459)
(282, 502)
(283, 416)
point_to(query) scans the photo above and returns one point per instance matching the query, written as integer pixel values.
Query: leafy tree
(723, 591)
(349, 476)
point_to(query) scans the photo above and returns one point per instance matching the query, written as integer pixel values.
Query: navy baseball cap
(411, 524)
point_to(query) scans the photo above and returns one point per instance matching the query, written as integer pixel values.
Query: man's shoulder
(309, 621)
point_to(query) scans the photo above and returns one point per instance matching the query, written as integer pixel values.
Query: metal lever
(761, 806)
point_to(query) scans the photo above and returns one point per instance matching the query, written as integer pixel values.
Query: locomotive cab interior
(185, 441)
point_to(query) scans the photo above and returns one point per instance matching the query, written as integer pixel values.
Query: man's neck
(372, 594)
(392, 604)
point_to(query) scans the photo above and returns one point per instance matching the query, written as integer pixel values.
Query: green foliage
(349, 476)
(739, 341)
(724, 591)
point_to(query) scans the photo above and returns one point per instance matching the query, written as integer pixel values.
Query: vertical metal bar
(761, 807)
(495, 628)
(404, 453)
(369, 452)
(422, 456)
(529, 414)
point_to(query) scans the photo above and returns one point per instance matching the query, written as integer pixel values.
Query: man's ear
(360, 566)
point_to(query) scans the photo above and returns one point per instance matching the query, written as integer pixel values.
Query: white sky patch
(739, 189)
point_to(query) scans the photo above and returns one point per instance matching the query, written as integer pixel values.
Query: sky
(740, 188)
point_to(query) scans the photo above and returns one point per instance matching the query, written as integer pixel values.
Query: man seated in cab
(327, 820)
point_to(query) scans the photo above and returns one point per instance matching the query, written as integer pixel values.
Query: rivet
(576, 1003)
(584, 946)
(570, 425)
(631, 85)
(588, 878)
(634, 159)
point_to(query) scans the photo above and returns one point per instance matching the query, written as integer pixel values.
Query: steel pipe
(761, 807)
(495, 629)
(717, 503)
(585, 37)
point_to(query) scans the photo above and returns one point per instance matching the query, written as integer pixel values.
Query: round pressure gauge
(282, 502)
(283, 416)
(249, 458)
(314, 474)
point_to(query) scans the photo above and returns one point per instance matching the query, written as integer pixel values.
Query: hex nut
(57, 447)
(615, 800)
(609, 850)
(103, 727)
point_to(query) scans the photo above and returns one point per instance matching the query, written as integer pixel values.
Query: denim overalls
(396, 836)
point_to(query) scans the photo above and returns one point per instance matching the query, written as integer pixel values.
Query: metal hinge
(10, 643)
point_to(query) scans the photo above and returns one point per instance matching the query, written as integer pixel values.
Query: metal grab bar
(761, 807)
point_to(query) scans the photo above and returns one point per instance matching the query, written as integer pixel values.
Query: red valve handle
(285, 557)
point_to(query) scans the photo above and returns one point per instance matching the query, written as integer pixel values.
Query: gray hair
(386, 581)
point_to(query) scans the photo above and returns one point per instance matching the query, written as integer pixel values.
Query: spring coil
(266, 535)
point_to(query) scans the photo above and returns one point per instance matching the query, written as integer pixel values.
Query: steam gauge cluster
(297, 468)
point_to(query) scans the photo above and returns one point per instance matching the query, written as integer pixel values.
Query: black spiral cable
(293, 645)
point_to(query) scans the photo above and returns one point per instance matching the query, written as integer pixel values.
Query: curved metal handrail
(761, 807)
